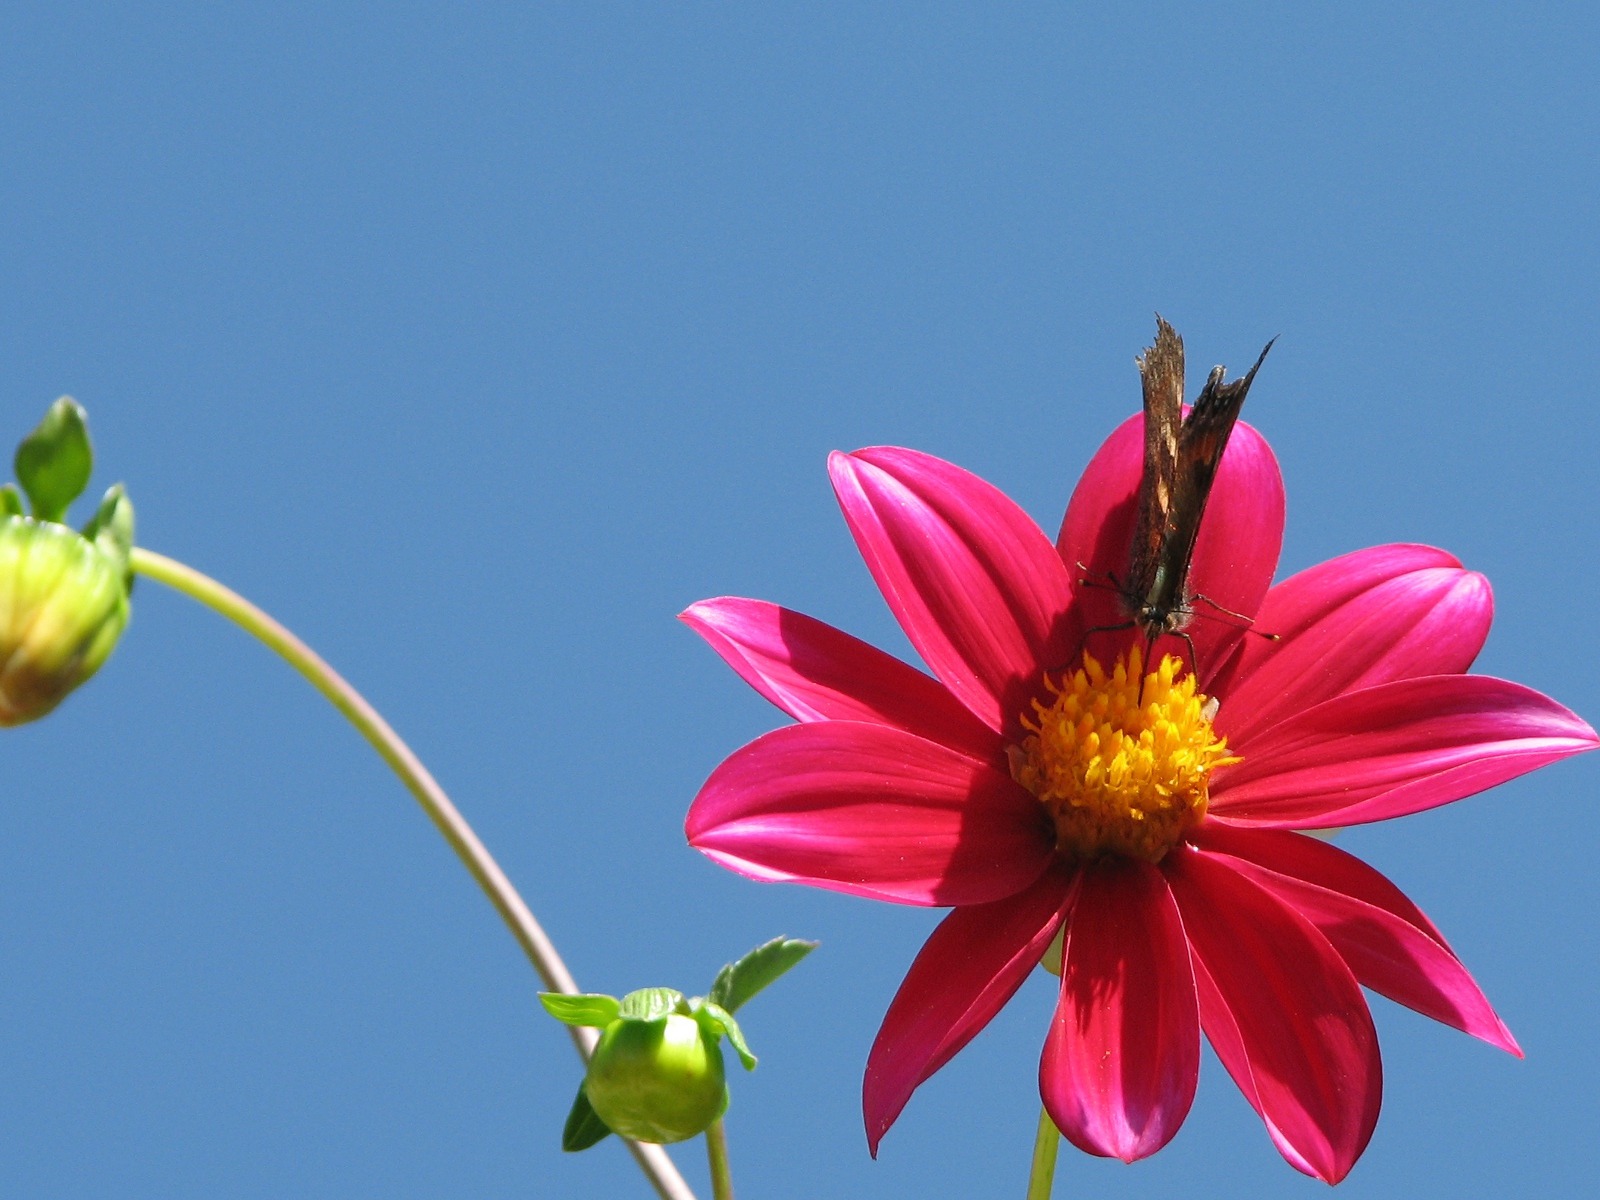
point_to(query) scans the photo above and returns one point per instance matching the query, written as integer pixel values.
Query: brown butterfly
(1181, 455)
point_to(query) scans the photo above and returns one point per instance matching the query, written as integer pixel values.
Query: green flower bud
(657, 1080)
(63, 605)
(656, 1074)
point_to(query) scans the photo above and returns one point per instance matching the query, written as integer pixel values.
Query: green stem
(1041, 1177)
(717, 1155)
(473, 854)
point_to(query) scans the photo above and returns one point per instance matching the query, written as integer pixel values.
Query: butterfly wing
(1161, 371)
(1201, 441)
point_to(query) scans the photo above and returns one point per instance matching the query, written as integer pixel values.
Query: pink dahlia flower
(1148, 821)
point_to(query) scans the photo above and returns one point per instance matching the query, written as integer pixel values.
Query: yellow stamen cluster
(1121, 761)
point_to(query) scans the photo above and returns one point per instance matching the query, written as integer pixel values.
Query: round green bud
(657, 1081)
(63, 605)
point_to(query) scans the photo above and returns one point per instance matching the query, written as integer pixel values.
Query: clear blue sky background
(475, 342)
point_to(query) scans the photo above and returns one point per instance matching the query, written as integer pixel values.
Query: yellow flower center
(1121, 762)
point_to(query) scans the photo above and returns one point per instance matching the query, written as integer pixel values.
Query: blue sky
(476, 344)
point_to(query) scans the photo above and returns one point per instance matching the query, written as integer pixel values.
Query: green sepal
(737, 982)
(651, 1004)
(55, 460)
(589, 1010)
(111, 527)
(718, 1021)
(11, 502)
(584, 1127)
(1051, 961)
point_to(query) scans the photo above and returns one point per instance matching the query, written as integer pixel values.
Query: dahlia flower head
(1050, 786)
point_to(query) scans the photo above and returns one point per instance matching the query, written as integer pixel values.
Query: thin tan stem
(530, 935)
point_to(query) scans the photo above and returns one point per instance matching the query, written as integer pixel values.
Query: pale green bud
(63, 605)
(657, 1081)
(656, 1074)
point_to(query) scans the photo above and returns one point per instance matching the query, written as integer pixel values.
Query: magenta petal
(1317, 862)
(1097, 530)
(873, 811)
(971, 578)
(1395, 749)
(1384, 938)
(974, 962)
(1222, 1031)
(1234, 558)
(1123, 1055)
(1284, 1014)
(814, 672)
(1388, 613)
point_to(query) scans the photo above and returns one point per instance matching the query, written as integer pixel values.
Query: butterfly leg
(1194, 663)
(1244, 622)
(1083, 642)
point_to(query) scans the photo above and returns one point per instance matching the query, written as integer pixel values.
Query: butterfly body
(1181, 457)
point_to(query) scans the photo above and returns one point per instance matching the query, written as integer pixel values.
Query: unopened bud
(63, 594)
(656, 1074)
(63, 605)
(657, 1081)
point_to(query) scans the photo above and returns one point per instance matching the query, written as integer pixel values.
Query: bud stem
(717, 1155)
(530, 935)
(1042, 1174)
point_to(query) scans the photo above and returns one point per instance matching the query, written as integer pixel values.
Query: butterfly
(1181, 455)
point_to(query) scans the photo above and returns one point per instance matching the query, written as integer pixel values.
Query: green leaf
(724, 1023)
(737, 982)
(11, 501)
(54, 461)
(584, 1127)
(592, 1010)
(649, 1004)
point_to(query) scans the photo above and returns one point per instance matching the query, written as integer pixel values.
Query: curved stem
(717, 1155)
(1042, 1174)
(473, 854)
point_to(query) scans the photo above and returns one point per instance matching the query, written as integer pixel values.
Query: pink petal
(1222, 1031)
(970, 577)
(1123, 1055)
(1284, 1014)
(1384, 938)
(1315, 862)
(1392, 612)
(974, 962)
(1234, 558)
(814, 672)
(873, 811)
(1395, 749)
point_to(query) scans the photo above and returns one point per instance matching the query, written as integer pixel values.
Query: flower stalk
(717, 1158)
(474, 855)
(1042, 1172)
